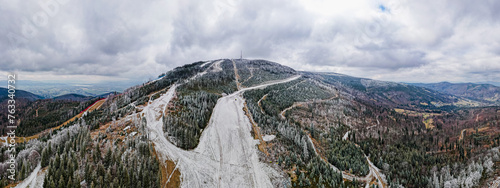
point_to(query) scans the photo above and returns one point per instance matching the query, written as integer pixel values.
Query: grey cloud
(134, 40)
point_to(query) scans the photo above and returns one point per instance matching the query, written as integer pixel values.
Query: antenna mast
(241, 54)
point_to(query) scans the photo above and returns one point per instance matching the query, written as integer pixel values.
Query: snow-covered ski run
(226, 155)
(32, 179)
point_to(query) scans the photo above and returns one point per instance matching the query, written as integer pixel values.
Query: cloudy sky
(120, 40)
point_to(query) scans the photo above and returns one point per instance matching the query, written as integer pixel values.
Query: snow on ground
(376, 173)
(207, 62)
(3, 140)
(346, 135)
(152, 81)
(40, 178)
(268, 138)
(282, 114)
(31, 179)
(216, 66)
(227, 139)
(226, 155)
(267, 84)
(196, 170)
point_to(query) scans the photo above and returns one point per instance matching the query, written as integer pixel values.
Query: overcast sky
(400, 40)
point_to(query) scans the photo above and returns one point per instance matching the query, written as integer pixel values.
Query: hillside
(72, 97)
(35, 114)
(51, 89)
(389, 94)
(256, 123)
(486, 93)
(105, 95)
(19, 94)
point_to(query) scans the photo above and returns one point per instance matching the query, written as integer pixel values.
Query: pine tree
(23, 170)
(61, 183)
(97, 152)
(320, 180)
(45, 157)
(49, 150)
(116, 182)
(301, 179)
(70, 183)
(52, 184)
(108, 177)
(145, 178)
(101, 181)
(87, 172)
(126, 179)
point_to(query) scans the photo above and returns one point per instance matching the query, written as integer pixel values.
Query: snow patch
(133, 133)
(216, 66)
(346, 135)
(4, 141)
(268, 138)
(31, 179)
(40, 178)
(207, 62)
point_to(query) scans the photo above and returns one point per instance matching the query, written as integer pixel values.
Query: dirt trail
(255, 128)
(259, 103)
(251, 75)
(282, 114)
(461, 135)
(257, 134)
(296, 104)
(472, 130)
(236, 76)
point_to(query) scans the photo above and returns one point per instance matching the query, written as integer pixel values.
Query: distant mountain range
(481, 92)
(33, 97)
(385, 93)
(18, 94)
(72, 97)
(51, 89)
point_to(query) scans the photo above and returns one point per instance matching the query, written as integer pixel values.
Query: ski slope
(31, 180)
(226, 155)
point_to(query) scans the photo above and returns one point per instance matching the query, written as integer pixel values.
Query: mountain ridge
(18, 94)
(483, 92)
